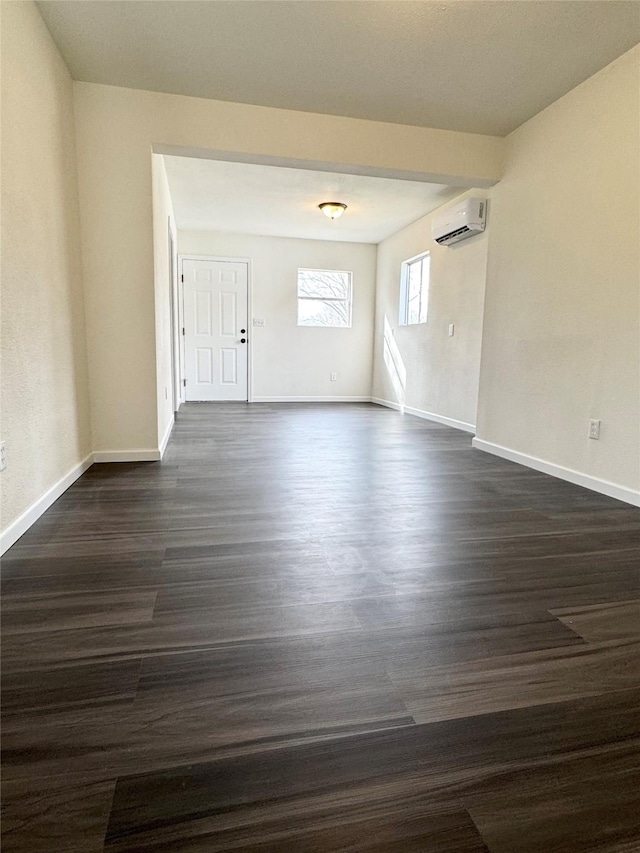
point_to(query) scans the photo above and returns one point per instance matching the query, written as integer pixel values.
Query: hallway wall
(163, 269)
(45, 395)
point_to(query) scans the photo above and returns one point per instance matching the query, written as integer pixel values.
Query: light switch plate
(258, 321)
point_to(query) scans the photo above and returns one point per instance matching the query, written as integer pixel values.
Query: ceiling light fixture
(332, 209)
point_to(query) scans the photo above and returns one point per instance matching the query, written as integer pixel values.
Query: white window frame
(404, 291)
(348, 300)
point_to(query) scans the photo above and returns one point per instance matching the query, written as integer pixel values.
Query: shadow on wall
(394, 364)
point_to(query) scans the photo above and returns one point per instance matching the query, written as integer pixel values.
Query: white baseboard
(388, 403)
(311, 400)
(166, 437)
(127, 455)
(428, 416)
(17, 528)
(604, 487)
(440, 419)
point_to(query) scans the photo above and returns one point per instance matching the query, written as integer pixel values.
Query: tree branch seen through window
(324, 298)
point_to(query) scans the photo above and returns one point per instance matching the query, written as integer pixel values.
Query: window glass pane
(414, 280)
(324, 298)
(415, 291)
(413, 310)
(426, 263)
(318, 312)
(324, 284)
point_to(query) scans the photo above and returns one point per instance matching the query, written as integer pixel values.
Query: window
(324, 298)
(414, 290)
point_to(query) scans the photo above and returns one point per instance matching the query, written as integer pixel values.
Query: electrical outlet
(258, 321)
(452, 329)
(3, 456)
(334, 376)
(594, 429)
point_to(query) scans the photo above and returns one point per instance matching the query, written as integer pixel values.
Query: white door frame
(181, 368)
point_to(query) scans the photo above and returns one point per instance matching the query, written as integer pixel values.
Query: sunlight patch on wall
(394, 363)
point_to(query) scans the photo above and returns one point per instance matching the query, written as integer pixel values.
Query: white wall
(164, 270)
(420, 366)
(116, 131)
(561, 329)
(45, 400)
(291, 360)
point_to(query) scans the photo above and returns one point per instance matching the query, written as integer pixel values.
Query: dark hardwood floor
(322, 628)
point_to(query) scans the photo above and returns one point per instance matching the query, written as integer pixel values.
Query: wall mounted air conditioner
(463, 220)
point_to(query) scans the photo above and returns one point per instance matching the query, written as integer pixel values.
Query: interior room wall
(561, 327)
(420, 367)
(116, 131)
(45, 399)
(291, 361)
(163, 221)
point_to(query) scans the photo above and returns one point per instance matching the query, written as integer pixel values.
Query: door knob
(242, 331)
(243, 340)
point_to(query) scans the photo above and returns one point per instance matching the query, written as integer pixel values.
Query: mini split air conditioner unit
(460, 221)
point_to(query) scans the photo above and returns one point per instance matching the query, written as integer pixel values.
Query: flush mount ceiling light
(332, 209)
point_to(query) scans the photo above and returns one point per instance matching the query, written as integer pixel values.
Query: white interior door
(215, 329)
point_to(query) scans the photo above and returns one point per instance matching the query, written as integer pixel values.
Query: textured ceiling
(242, 198)
(469, 65)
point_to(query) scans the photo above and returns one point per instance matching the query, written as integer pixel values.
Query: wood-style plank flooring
(322, 628)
